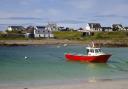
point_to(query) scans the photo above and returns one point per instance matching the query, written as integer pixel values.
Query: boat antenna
(93, 44)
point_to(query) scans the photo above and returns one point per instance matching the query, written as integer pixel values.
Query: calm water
(46, 64)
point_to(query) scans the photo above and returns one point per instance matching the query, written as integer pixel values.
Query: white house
(39, 31)
(93, 27)
(43, 32)
(126, 28)
(118, 27)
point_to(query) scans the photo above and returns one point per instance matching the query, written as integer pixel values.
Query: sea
(46, 64)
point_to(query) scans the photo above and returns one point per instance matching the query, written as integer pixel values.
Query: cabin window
(87, 51)
(91, 50)
(97, 50)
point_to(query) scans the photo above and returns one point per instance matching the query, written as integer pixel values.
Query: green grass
(68, 35)
(13, 38)
(114, 36)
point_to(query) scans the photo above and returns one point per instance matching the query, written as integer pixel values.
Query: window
(91, 50)
(87, 51)
(97, 50)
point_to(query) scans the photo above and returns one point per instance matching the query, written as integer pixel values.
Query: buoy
(25, 57)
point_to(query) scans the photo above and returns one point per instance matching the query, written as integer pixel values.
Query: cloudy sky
(64, 12)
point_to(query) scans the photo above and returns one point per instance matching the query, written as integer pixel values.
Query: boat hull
(85, 58)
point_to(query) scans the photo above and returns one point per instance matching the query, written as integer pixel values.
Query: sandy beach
(40, 42)
(105, 84)
(106, 43)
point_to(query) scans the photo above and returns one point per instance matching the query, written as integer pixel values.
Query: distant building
(93, 27)
(80, 29)
(85, 32)
(126, 28)
(15, 28)
(52, 26)
(15, 31)
(39, 31)
(43, 32)
(65, 29)
(117, 27)
(29, 32)
(61, 29)
(106, 29)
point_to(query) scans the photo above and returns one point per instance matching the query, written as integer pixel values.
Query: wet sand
(106, 84)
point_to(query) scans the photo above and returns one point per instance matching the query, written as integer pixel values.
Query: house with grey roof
(15, 28)
(15, 31)
(39, 31)
(93, 27)
(43, 32)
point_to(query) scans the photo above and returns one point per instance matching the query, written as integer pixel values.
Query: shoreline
(101, 43)
(99, 84)
(39, 42)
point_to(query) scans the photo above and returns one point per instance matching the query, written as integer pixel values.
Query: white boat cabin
(92, 51)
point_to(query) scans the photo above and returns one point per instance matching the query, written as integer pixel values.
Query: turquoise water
(47, 64)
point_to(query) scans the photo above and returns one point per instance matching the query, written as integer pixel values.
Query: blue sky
(64, 12)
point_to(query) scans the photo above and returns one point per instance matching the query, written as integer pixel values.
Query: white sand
(114, 84)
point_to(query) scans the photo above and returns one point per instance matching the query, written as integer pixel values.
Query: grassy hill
(103, 38)
(97, 36)
(109, 38)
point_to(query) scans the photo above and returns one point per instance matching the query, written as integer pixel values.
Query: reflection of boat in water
(94, 54)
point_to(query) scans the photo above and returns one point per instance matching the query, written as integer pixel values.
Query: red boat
(94, 54)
